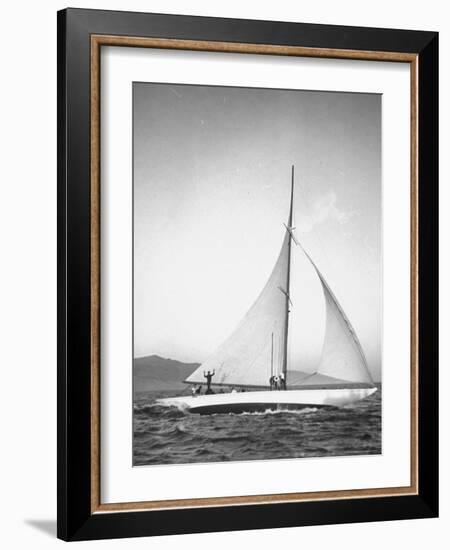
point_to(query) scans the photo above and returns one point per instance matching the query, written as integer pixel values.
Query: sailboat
(243, 369)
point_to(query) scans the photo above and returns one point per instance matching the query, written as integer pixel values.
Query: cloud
(323, 210)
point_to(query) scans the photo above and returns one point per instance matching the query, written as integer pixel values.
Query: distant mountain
(154, 373)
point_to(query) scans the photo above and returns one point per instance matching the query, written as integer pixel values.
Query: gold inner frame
(97, 41)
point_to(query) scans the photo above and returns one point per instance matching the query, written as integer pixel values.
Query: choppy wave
(167, 435)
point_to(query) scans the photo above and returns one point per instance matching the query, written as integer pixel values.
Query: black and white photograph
(223, 241)
(257, 277)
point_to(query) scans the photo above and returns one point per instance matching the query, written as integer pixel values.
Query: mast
(251, 343)
(288, 280)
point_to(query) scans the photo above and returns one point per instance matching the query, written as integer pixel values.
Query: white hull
(254, 401)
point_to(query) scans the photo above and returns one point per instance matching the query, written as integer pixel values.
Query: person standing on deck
(276, 380)
(208, 375)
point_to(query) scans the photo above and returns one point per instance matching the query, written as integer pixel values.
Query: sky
(212, 174)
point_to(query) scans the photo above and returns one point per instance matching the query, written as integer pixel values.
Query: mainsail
(245, 358)
(258, 347)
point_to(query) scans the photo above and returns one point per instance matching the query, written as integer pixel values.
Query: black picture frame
(76, 519)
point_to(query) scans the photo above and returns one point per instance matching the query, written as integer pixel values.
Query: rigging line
(307, 376)
(316, 233)
(276, 348)
(280, 354)
(286, 294)
(280, 351)
(290, 230)
(258, 355)
(322, 248)
(330, 263)
(271, 357)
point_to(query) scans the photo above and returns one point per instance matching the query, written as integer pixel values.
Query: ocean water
(166, 435)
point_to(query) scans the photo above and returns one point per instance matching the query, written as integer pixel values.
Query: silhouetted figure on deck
(276, 381)
(208, 375)
(196, 390)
